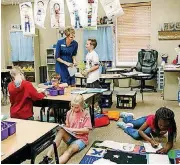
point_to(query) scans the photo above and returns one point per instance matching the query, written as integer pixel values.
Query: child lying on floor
(159, 124)
(78, 121)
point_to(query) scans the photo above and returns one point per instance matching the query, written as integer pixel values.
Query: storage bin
(106, 99)
(126, 100)
(53, 92)
(105, 85)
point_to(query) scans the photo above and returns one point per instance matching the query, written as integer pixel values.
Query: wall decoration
(57, 14)
(27, 21)
(112, 8)
(177, 26)
(78, 12)
(15, 27)
(169, 26)
(169, 35)
(40, 7)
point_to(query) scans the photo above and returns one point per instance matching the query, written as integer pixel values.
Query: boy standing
(92, 65)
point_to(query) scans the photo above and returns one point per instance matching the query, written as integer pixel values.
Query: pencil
(153, 139)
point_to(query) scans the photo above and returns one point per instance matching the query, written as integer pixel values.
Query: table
(171, 74)
(116, 70)
(103, 76)
(31, 138)
(61, 103)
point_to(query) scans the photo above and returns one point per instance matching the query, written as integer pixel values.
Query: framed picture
(169, 26)
(15, 27)
(177, 26)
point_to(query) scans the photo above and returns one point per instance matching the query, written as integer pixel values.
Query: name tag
(63, 45)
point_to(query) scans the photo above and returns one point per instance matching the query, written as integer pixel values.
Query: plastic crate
(7, 129)
(126, 100)
(106, 99)
(106, 85)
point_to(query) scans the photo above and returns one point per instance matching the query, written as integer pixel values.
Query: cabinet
(160, 78)
(50, 61)
(25, 53)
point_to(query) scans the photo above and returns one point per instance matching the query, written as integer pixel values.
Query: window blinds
(133, 31)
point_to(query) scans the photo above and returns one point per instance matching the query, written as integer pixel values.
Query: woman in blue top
(66, 50)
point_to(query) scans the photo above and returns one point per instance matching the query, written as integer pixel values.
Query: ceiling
(14, 2)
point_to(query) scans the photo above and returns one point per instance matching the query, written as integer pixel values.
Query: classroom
(90, 81)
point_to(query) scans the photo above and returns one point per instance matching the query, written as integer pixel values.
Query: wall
(162, 11)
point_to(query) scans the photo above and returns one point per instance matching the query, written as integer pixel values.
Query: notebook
(71, 133)
(150, 149)
(158, 159)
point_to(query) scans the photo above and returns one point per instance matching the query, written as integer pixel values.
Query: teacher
(66, 50)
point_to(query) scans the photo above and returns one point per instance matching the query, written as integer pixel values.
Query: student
(92, 65)
(77, 121)
(22, 94)
(159, 124)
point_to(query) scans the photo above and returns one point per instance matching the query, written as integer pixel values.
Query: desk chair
(147, 63)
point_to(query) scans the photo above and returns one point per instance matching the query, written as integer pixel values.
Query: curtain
(21, 47)
(104, 37)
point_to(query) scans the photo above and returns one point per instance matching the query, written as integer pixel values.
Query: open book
(65, 128)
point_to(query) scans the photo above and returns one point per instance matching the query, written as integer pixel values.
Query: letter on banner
(57, 14)
(27, 21)
(78, 12)
(112, 8)
(40, 7)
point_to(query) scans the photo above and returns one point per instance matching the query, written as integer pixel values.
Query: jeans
(133, 132)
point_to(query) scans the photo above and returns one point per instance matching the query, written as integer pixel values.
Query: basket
(53, 92)
(7, 129)
(61, 91)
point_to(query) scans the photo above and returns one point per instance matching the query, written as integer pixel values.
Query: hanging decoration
(27, 21)
(40, 7)
(112, 8)
(57, 14)
(78, 13)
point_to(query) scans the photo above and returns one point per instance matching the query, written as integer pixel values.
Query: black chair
(147, 63)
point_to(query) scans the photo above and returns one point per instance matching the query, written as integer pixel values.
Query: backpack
(101, 120)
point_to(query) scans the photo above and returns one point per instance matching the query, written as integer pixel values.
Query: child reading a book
(78, 122)
(159, 124)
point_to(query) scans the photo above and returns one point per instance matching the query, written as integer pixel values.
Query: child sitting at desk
(78, 121)
(159, 124)
(22, 94)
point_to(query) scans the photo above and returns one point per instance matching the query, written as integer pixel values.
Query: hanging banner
(92, 14)
(78, 13)
(112, 8)
(40, 7)
(57, 14)
(27, 21)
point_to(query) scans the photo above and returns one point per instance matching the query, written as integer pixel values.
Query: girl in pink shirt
(160, 123)
(78, 121)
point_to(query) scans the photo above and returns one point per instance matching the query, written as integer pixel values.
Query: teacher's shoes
(126, 114)
(46, 160)
(123, 125)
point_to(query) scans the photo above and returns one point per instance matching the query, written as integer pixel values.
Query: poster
(27, 21)
(78, 13)
(57, 14)
(112, 8)
(40, 7)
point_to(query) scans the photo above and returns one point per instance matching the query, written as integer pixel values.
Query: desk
(171, 74)
(61, 103)
(28, 140)
(116, 70)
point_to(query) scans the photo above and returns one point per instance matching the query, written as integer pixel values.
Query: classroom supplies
(158, 159)
(156, 145)
(150, 149)
(66, 129)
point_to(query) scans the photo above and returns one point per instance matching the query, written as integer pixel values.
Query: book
(158, 159)
(150, 149)
(65, 128)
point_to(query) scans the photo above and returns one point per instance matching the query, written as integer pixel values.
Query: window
(133, 32)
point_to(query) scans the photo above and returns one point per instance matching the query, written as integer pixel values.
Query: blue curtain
(104, 36)
(21, 47)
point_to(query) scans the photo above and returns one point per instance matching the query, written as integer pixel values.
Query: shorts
(79, 142)
(95, 84)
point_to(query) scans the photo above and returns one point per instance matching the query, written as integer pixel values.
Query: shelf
(50, 55)
(169, 35)
(50, 63)
(51, 70)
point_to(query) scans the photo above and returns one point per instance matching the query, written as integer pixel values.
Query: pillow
(113, 115)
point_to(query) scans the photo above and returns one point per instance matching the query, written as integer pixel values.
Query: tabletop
(5, 70)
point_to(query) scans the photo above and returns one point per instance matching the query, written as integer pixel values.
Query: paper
(78, 91)
(126, 147)
(96, 90)
(71, 133)
(103, 161)
(158, 159)
(150, 149)
(72, 71)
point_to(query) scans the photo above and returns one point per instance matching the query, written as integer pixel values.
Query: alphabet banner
(40, 7)
(78, 13)
(57, 14)
(112, 8)
(27, 21)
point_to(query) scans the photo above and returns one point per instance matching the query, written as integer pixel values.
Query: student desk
(171, 74)
(61, 103)
(31, 138)
(116, 70)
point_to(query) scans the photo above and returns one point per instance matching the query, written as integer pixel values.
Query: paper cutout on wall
(112, 8)
(57, 14)
(27, 21)
(78, 12)
(40, 7)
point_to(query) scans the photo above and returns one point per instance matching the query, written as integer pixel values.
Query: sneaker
(123, 125)
(125, 114)
(46, 160)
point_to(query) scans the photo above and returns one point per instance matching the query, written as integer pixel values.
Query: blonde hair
(15, 71)
(68, 31)
(78, 100)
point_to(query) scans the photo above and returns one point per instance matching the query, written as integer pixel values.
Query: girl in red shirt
(159, 124)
